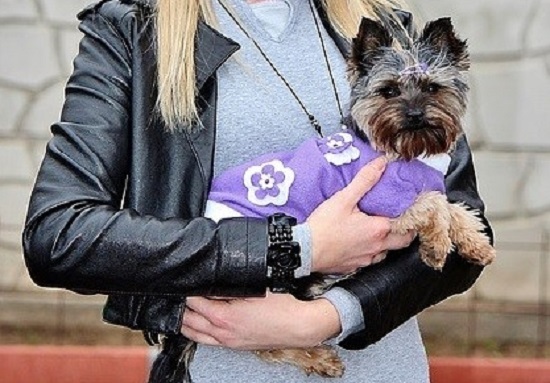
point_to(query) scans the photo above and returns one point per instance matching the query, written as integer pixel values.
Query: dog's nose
(415, 115)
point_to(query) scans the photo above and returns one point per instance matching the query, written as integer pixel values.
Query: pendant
(316, 125)
(343, 124)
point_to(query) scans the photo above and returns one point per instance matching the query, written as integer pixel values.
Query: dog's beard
(386, 127)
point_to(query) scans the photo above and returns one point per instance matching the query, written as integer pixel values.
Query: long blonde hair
(176, 23)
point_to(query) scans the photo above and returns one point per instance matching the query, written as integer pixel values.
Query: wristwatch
(283, 254)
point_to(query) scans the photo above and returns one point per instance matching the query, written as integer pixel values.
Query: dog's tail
(172, 364)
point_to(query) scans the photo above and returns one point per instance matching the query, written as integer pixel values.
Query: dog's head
(409, 102)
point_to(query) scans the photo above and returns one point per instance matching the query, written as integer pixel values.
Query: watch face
(286, 255)
(288, 261)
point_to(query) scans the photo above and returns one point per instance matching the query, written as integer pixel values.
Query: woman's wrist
(323, 321)
(349, 310)
(302, 235)
(317, 248)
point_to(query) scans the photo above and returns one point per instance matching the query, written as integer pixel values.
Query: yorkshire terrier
(407, 103)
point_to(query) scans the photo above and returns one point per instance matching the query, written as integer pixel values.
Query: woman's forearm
(275, 322)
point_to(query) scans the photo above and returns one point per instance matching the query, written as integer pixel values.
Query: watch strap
(283, 256)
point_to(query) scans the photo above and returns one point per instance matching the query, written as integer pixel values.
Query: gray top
(256, 113)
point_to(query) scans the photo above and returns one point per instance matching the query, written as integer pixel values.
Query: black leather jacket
(111, 150)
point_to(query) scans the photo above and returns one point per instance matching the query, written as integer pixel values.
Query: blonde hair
(176, 23)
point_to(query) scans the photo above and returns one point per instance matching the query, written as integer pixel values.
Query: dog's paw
(434, 254)
(324, 362)
(480, 252)
(431, 261)
(321, 360)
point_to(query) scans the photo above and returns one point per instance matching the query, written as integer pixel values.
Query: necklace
(312, 119)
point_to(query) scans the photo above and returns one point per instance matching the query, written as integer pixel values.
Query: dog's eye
(433, 88)
(390, 92)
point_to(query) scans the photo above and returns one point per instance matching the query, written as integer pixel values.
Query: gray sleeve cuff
(302, 234)
(349, 310)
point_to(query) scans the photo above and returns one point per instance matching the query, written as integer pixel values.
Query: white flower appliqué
(338, 149)
(269, 183)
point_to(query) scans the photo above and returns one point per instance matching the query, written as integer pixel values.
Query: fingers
(199, 337)
(206, 307)
(364, 181)
(197, 322)
(198, 328)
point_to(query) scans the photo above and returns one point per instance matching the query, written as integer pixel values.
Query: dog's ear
(367, 45)
(440, 37)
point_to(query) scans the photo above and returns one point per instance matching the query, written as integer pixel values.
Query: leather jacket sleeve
(76, 234)
(399, 288)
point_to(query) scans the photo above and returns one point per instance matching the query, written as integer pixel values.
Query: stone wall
(508, 123)
(38, 40)
(509, 128)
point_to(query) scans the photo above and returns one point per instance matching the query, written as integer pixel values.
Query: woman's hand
(345, 239)
(274, 322)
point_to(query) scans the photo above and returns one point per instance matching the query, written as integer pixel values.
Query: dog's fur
(407, 102)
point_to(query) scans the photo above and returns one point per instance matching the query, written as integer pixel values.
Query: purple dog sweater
(296, 182)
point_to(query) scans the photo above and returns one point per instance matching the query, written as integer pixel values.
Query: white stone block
(491, 26)
(17, 9)
(499, 176)
(12, 104)
(45, 111)
(536, 194)
(520, 263)
(472, 126)
(514, 276)
(38, 148)
(513, 233)
(13, 269)
(513, 100)
(63, 11)
(69, 41)
(10, 237)
(517, 271)
(16, 161)
(538, 35)
(13, 204)
(28, 55)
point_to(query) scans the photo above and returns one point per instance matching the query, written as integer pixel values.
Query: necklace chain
(312, 120)
(329, 68)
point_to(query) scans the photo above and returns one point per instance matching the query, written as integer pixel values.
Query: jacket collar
(212, 48)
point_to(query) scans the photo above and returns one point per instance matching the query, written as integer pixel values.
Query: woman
(158, 103)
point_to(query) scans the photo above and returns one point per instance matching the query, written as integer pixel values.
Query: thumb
(364, 181)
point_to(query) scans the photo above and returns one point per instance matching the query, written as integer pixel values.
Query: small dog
(407, 104)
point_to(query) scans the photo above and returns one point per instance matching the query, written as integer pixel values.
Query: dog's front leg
(467, 233)
(429, 216)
